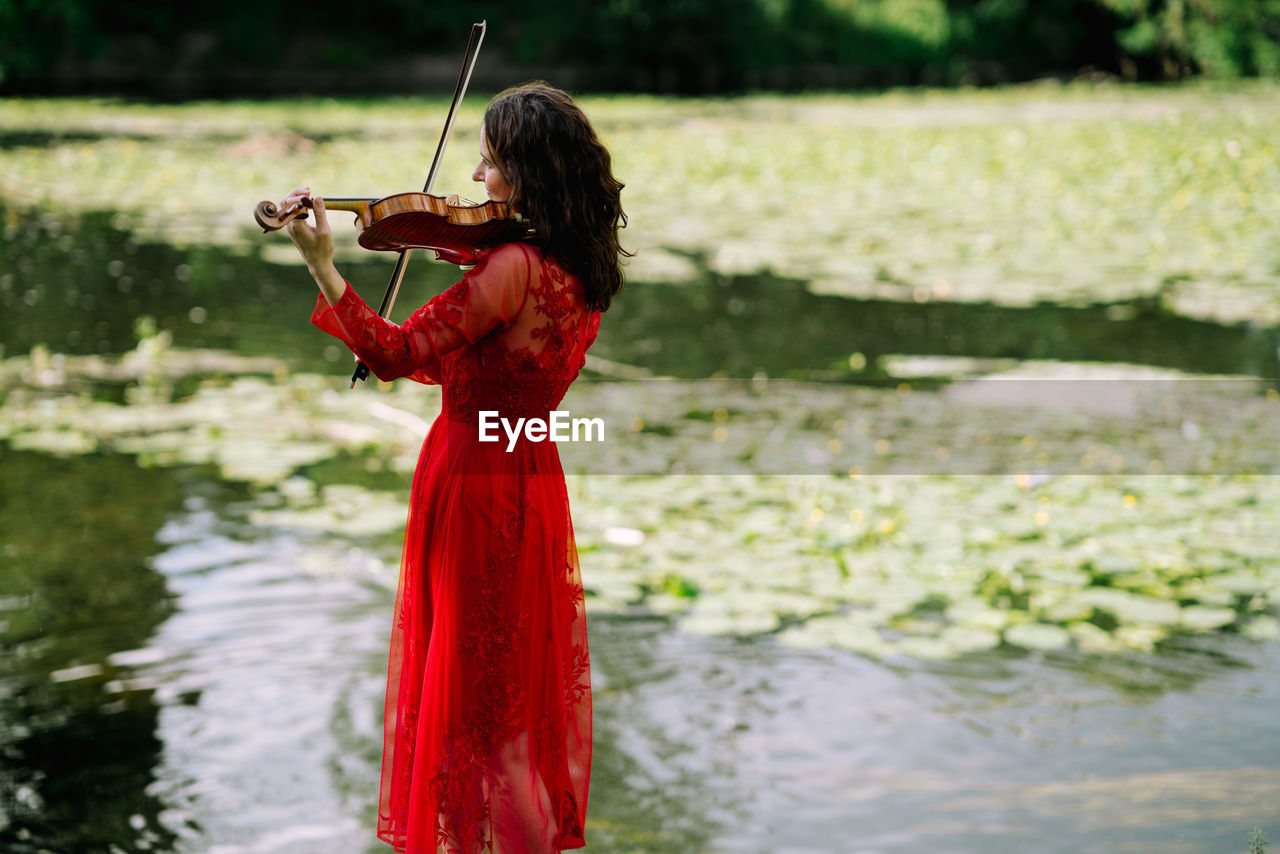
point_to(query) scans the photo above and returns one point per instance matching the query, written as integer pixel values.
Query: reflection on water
(1017, 754)
(78, 733)
(738, 326)
(250, 718)
(228, 683)
(78, 286)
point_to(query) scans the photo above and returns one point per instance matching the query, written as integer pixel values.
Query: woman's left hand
(315, 245)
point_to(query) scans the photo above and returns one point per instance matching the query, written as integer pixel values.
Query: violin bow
(397, 275)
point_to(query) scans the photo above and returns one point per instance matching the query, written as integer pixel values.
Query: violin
(457, 232)
(406, 221)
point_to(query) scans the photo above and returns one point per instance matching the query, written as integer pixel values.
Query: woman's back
(523, 367)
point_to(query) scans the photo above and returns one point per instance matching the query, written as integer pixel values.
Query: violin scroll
(269, 216)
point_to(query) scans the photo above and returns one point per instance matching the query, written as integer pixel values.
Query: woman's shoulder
(518, 260)
(528, 263)
(512, 251)
(513, 262)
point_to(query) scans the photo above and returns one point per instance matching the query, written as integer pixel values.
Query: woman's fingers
(296, 228)
(322, 222)
(294, 197)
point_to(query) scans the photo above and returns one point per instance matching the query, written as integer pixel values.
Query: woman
(487, 738)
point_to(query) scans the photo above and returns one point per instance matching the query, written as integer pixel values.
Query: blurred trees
(1223, 38)
(657, 45)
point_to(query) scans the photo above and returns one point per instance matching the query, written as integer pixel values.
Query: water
(79, 287)
(217, 687)
(178, 679)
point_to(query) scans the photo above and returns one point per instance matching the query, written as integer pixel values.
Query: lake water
(178, 678)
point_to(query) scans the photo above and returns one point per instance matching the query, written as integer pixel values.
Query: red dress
(487, 734)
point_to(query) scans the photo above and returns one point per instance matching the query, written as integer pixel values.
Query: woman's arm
(489, 297)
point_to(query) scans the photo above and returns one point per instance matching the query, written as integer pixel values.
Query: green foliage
(654, 45)
(1220, 38)
(33, 33)
(1013, 39)
(1257, 842)
(1164, 195)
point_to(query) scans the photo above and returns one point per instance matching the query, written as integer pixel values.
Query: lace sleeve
(489, 297)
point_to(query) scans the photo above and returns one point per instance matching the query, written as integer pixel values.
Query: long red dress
(487, 734)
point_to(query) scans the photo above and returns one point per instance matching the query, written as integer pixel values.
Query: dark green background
(206, 48)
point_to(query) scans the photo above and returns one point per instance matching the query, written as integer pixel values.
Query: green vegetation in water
(922, 566)
(79, 284)
(1073, 194)
(1016, 196)
(936, 567)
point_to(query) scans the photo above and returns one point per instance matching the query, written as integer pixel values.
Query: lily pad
(1238, 582)
(936, 649)
(1091, 638)
(964, 639)
(1132, 607)
(60, 443)
(344, 509)
(1141, 638)
(1262, 628)
(1200, 618)
(1039, 636)
(721, 622)
(977, 614)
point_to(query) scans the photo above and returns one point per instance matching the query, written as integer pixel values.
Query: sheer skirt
(487, 734)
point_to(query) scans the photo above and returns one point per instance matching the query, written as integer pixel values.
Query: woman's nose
(477, 174)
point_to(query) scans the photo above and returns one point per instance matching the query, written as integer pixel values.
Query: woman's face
(495, 184)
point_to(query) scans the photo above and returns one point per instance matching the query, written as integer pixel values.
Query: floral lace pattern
(487, 743)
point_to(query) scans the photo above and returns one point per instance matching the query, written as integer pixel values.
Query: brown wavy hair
(561, 178)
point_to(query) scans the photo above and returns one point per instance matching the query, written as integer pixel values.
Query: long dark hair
(561, 178)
